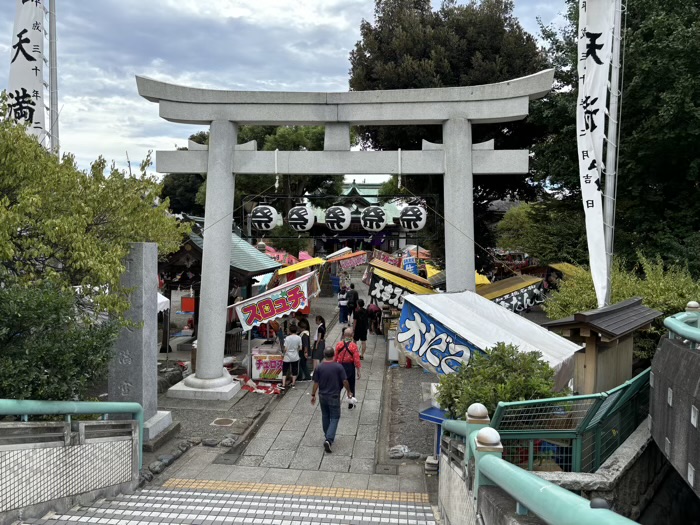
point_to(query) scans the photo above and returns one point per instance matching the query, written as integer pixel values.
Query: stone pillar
(459, 205)
(216, 260)
(133, 371)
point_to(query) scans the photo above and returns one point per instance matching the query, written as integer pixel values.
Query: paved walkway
(288, 447)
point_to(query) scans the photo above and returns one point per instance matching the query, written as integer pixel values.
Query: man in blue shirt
(329, 380)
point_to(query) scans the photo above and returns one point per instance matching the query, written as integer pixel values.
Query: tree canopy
(411, 46)
(659, 165)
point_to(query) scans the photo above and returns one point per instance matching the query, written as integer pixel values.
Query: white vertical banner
(596, 20)
(26, 83)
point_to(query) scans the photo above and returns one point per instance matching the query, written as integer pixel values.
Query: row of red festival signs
(385, 257)
(351, 262)
(279, 302)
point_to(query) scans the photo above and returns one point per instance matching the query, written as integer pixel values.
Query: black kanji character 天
(592, 47)
(19, 46)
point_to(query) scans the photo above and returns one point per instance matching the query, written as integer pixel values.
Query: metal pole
(53, 80)
(611, 152)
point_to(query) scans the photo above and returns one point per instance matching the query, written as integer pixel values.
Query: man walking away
(347, 354)
(353, 297)
(329, 380)
(361, 326)
(290, 361)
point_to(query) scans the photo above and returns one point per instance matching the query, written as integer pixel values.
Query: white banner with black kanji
(596, 22)
(26, 83)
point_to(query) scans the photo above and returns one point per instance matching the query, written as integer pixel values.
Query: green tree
(659, 165)
(410, 46)
(532, 228)
(181, 191)
(502, 374)
(664, 288)
(64, 234)
(47, 343)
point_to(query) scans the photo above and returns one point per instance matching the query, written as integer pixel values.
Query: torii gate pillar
(458, 190)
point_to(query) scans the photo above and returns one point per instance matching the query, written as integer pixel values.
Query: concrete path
(288, 447)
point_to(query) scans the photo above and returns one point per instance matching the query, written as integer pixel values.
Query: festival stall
(277, 303)
(517, 293)
(349, 260)
(442, 332)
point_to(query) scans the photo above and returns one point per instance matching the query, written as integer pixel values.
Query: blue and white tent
(442, 331)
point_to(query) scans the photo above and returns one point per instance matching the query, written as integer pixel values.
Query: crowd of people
(331, 368)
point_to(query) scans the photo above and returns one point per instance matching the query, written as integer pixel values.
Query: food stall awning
(391, 289)
(350, 260)
(301, 265)
(507, 286)
(279, 302)
(408, 276)
(443, 330)
(342, 251)
(567, 269)
(346, 256)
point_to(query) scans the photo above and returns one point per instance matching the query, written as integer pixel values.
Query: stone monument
(457, 159)
(133, 371)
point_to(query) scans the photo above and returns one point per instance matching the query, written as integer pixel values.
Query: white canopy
(484, 323)
(163, 303)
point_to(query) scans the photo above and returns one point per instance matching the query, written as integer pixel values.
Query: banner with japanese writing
(278, 302)
(385, 257)
(26, 83)
(596, 22)
(522, 299)
(387, 292)
(436, 347)
(351, 262)
(409, 264)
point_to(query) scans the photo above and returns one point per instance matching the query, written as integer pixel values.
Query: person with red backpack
(348, 355)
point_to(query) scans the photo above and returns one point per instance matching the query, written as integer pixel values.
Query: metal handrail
(550, 502)
(26, 407)
(684, 324)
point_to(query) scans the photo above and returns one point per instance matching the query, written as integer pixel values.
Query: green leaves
(503, 374)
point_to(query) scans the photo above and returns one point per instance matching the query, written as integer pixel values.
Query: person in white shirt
(290, 361)
(343, 306)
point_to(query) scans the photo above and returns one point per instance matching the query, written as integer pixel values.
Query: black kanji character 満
(21, 105)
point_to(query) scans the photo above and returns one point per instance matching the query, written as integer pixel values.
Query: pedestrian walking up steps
(222, 502)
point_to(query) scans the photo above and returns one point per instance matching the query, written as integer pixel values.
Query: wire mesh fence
(571, 434)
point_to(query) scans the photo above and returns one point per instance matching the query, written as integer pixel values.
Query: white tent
(163, 303)
(484, 323)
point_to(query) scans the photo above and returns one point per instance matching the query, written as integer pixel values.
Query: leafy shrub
(502, 374)
(667, 289)
(49, 350)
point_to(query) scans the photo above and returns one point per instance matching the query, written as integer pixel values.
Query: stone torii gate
(458, 159)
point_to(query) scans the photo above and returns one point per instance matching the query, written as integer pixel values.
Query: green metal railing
(684, 325)
(551, 503)
(573, 434)
(26, 408)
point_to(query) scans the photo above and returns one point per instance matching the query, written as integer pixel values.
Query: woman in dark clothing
(305, 353)
(361, 326)
(319, 341)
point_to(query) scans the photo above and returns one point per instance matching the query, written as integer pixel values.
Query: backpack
(346, 348)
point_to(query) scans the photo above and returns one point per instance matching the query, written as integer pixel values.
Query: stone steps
(253, 504)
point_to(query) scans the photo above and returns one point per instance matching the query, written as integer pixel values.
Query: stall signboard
(385, 257)
(410, 265)
(351, 262)
(385, 291)
(522, 299)
(278, 302)
(267, 367)
(435, 347)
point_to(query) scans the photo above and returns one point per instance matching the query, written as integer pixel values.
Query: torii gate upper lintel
(458, 159)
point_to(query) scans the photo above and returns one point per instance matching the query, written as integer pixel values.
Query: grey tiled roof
(245, 259)
(612, 321)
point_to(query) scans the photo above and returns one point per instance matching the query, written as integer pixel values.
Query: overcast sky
(291, 45)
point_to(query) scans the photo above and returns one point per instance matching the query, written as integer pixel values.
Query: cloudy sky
(291, 45)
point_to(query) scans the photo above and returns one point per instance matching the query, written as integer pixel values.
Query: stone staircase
(211, 502)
